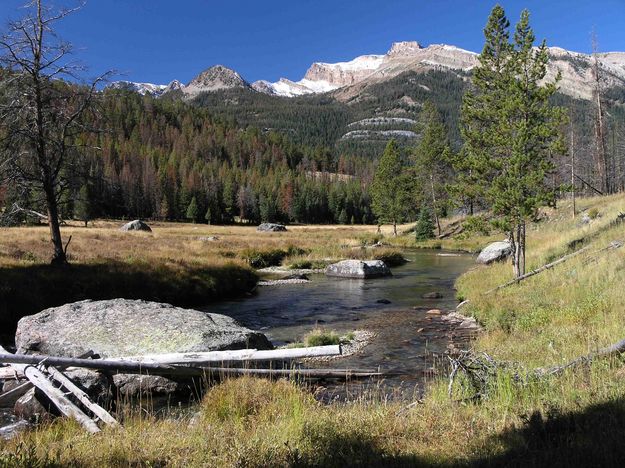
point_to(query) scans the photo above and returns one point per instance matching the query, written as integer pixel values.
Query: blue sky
(159, 40)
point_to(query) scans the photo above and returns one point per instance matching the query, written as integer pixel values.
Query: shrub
(391, 257)
(593, 213)
(370, 239)
(308, 264)
(321, 337)
(272, 257)
(477, 225)
(425, 227)
(263, 258)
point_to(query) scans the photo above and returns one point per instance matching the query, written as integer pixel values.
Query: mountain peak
(215, 78)
(404, 48)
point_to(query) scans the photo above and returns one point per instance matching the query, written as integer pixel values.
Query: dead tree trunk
(600, 145)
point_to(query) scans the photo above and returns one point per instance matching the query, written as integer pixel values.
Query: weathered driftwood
(63, 404)
(9, 373)
(110, 365)
(184, 364)
(306, 373)
(538, 270)
(616, 244)
(201, 358)
(8, 399)
(603, 353)
(96, 409)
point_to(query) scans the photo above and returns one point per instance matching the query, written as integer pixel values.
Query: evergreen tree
(389, 190)
(432, 156)
(424, 228)
(511, 129)
(208, 216)
(163, 212)
(343, 217)
(82, 206)
(192, 210)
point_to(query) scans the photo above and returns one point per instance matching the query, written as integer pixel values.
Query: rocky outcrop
(271, 227)
(122, 327)
(358, 269)
(129, 385)
(136, 225)
(95, 384)
(495, 252)
(208, 238)
(214, 78)
(30, 408)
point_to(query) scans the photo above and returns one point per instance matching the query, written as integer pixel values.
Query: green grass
(321, 337)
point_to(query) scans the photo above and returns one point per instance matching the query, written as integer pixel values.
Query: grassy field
(573, 419)
(175, 263)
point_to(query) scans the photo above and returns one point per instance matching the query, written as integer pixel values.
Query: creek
(407, 339)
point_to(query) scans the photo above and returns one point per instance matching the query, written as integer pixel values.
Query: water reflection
(406, 335)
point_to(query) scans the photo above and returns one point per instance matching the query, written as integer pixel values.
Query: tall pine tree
(390, 188)
(432, 157)
(511, 130)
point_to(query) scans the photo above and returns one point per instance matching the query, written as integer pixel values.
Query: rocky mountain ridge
(346, 80)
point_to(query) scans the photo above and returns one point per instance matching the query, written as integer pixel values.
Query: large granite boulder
(358, 269)
(271, 227)
(123, 327)
(136, 225)
(495, 252)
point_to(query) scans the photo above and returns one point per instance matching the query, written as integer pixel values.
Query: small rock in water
(297, 276)
(432, 295)
(133, 385)
(29, 408)
(434, 312)
(383, 301)
(358, 269)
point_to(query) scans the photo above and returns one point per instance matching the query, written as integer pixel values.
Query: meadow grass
(176, 263)
(576, 418)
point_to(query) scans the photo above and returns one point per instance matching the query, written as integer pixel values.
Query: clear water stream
(406, 338)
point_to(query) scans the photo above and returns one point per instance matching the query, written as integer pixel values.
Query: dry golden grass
(172, 242)
(574, 419)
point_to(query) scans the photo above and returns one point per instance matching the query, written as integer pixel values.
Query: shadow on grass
(589, 438)
(592, 437)
(30, 289)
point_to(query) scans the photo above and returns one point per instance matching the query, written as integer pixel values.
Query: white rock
(494, 252)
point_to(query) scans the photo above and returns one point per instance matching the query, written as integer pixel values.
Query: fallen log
(190, 363)
(110, 365)
(200, 358)
(81, 396)
(603, 353)
(63, 404)
(538, 270)
(8, 373)
(307, 373)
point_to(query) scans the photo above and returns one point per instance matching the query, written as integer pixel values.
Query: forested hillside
(168, 160)
(325, 120)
